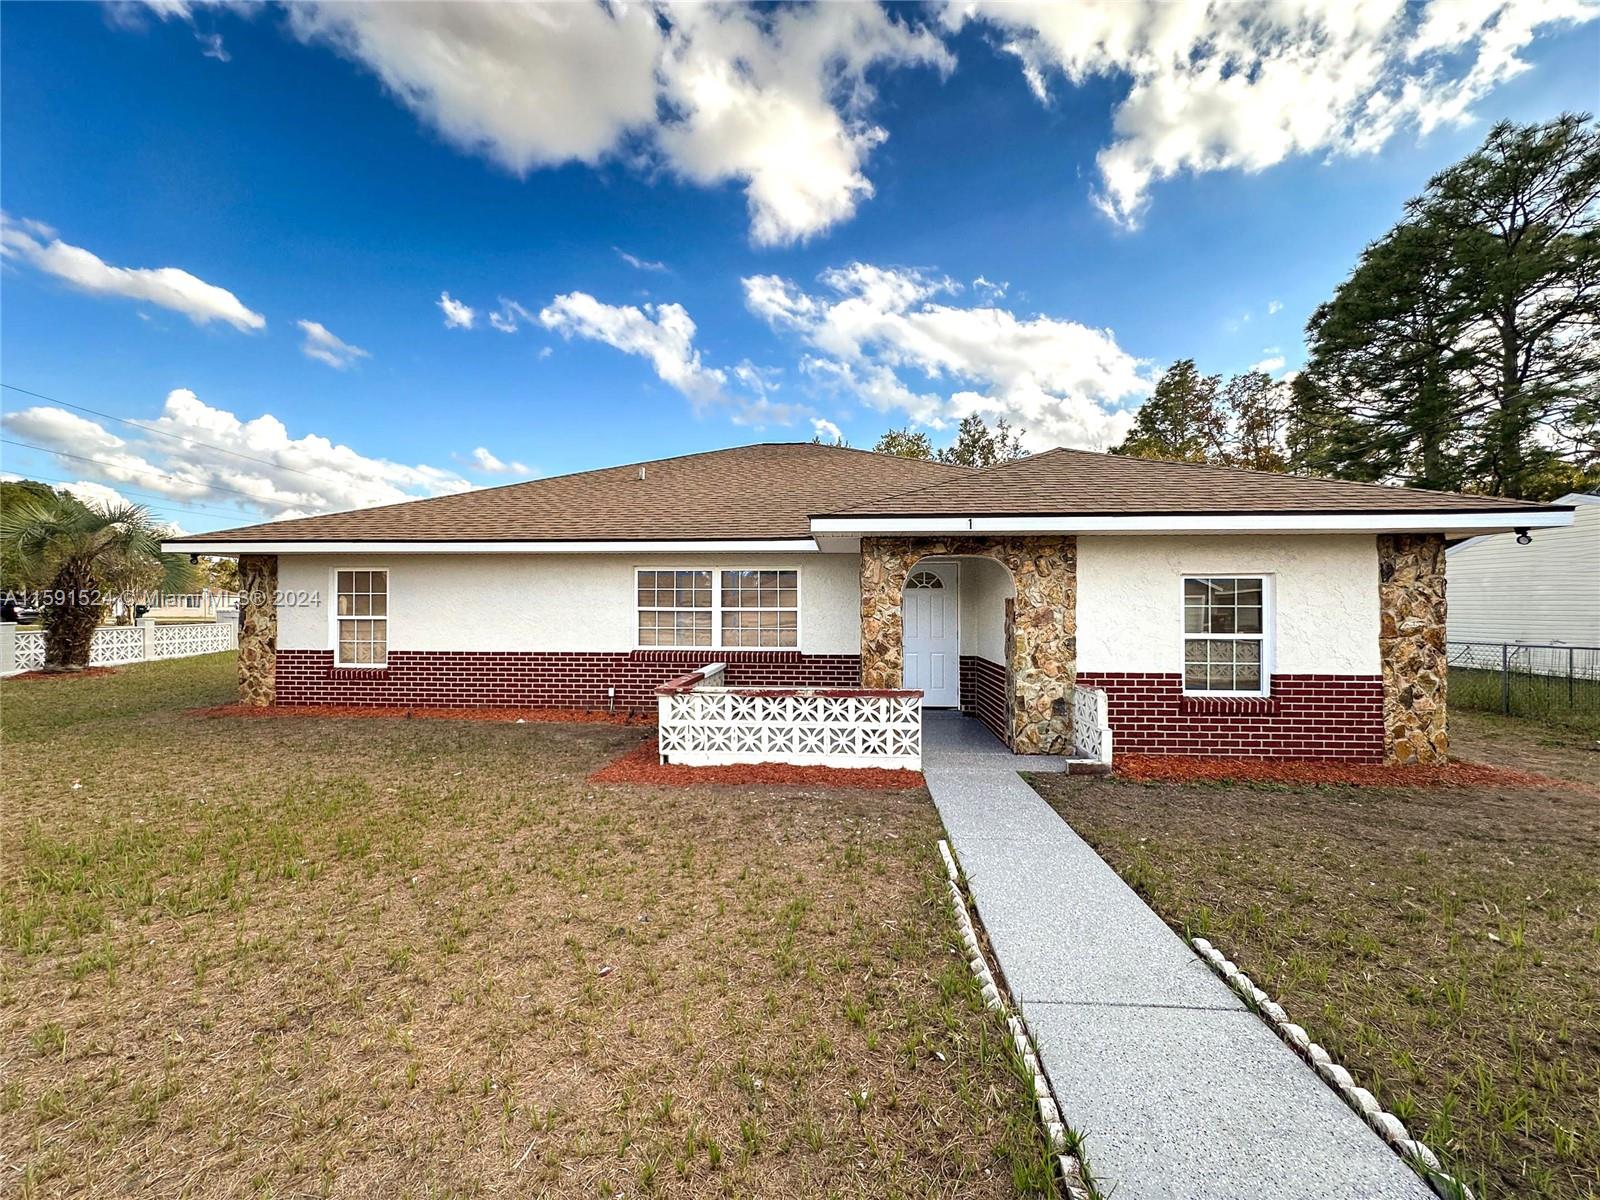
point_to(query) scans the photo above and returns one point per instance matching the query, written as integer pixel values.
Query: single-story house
(1223, 612)
(1544, 592)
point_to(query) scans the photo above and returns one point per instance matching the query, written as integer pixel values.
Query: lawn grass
(418, 958)
(1444, 944)
(1573, 704)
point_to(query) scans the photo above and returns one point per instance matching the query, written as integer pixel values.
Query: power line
(177, 506)
(215, 487)
(187, 441)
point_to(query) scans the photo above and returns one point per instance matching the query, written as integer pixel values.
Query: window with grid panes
(675, 608)
(362, 600)
(1224, 627)
(761, 609)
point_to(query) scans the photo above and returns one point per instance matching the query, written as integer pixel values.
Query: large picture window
(740, 609)
(363, 618)
(1224, 628)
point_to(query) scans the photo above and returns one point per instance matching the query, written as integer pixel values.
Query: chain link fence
(1551, 682)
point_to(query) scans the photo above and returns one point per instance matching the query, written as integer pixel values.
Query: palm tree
(74, 554)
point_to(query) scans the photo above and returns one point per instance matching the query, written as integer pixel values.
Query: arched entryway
(1037, 637)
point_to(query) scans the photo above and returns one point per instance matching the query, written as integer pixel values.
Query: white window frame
(1267, 637)
(334, 618)
(717, 609)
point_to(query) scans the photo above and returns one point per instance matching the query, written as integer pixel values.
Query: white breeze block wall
(1130, 606)
(549, 602)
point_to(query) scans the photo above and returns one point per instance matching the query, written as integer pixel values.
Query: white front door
(930, 608)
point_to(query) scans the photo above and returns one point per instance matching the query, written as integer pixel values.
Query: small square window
(361, 610)
(1224, 623)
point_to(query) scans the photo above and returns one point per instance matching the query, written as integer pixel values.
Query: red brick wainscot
(983, 694)
(532, 679)
(1307, 716)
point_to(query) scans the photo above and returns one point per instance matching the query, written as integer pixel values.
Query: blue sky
(1148, 189)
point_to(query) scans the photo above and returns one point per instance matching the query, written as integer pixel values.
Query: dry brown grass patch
(429, 958)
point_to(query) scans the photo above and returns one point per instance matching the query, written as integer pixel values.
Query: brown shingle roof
(764, 491)
(1083, 483)
(772, 491)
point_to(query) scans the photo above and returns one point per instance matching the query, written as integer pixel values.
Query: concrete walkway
(1179, 1091)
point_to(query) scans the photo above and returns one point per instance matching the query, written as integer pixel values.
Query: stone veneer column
(1411, 644)
(258, 629)
(1041, 640)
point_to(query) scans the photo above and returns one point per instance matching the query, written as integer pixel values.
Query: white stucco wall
(1130, 614)
(550, 602)
(1325, 587)
(984, 587)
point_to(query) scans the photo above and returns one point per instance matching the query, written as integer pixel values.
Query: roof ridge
(857, 450)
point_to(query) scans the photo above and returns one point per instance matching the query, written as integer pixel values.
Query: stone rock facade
(258, 629)
(1041, 629)
(1411, 644)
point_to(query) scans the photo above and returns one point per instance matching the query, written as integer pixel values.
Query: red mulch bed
(85, 673)
(642, 765)
(1173, 768)
(532, 716)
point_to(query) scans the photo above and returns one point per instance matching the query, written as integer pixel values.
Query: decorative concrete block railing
(703, 723)
(143, 641)
(1091, 724)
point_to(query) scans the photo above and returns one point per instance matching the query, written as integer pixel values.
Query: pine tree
(1386, 350)
(1522, 219)
(1462, 352)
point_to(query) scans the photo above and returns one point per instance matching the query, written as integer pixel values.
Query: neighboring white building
(1547, 592)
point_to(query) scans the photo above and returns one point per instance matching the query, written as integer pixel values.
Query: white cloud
(774, 101)
(827, 430)
(778, 100)
(96, 494)
(1270, 365)
(36, 244)
(323, 346)
(988, 289)
(510, 316)
(1246, 85)
(456, 314)
(664, 335)
(213, 457)
(889, 338)
(482, 460)
(1274, 307)
(211, 46)
(54, 427)
(637, 263)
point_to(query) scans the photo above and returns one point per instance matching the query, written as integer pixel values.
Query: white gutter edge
(745, 546)
(1399, 522)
